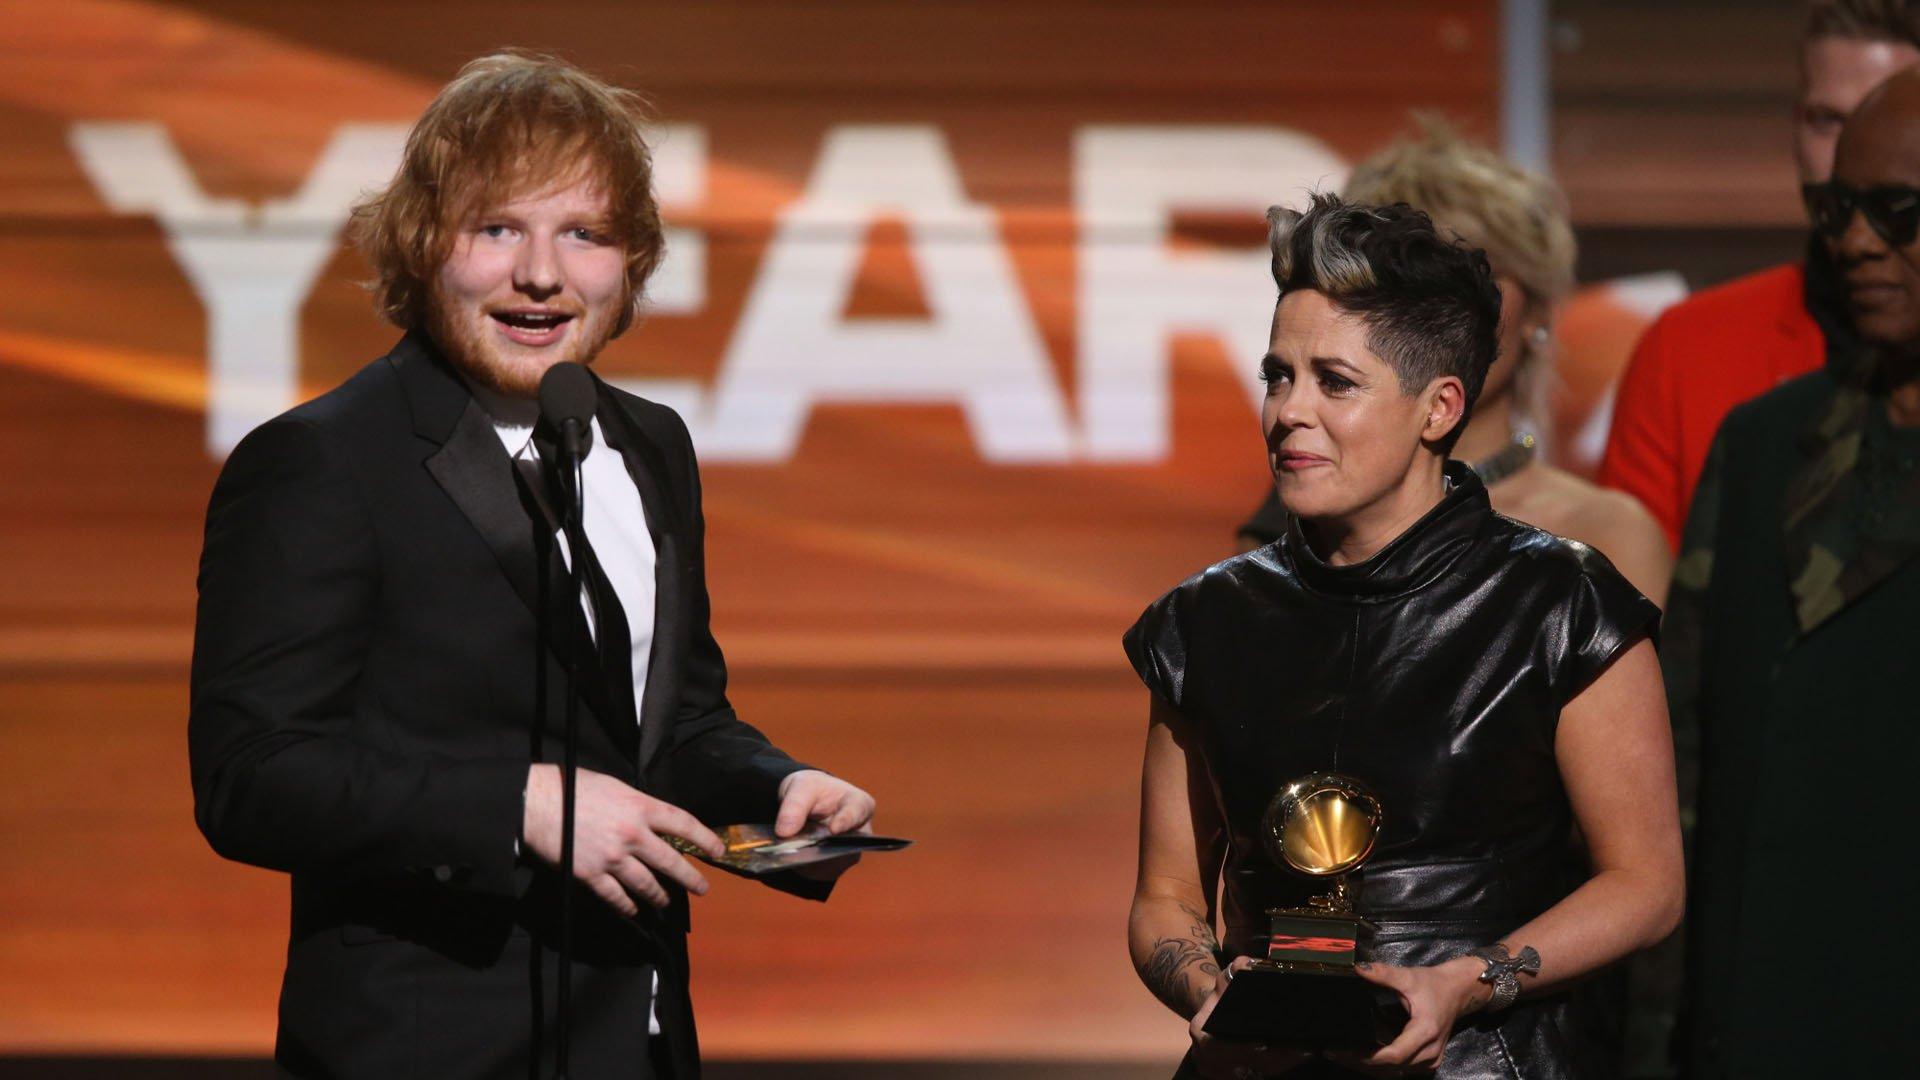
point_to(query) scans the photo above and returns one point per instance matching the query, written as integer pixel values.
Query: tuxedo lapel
(647, 466)
(644, 460)
(475, 472)
(663, 669)
(470, 465)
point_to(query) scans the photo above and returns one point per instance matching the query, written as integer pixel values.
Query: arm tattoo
(1167, 971)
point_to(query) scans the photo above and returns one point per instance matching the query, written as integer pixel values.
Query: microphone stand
(572, 450)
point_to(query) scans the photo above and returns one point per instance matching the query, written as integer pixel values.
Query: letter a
(979, 349)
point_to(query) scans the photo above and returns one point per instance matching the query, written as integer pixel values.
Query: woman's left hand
(1435, 999)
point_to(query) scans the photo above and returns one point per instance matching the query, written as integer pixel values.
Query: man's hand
(811, 795)
(617, 850)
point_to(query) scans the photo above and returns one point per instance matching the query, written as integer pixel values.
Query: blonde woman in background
(1520, 221)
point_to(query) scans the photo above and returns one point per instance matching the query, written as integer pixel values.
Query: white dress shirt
(611, 512)
(616, 526)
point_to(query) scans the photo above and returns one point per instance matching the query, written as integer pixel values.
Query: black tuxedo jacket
(371, 679)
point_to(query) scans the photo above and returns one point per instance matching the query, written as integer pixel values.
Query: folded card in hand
(756, 850)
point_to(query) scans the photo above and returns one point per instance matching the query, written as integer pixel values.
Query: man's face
(529, 284)
(1835, 74)
(1882, 279)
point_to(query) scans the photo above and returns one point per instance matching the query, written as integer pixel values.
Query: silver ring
(1245, 1072)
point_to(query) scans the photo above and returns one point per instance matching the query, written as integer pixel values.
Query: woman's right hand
(1223, 1059)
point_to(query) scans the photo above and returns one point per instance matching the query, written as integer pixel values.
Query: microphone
(567, 398)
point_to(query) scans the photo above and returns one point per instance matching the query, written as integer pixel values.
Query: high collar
(1411, 560)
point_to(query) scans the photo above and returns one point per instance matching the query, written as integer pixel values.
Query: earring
(1538, 337)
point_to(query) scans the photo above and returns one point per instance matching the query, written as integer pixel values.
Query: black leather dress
(1434, 672)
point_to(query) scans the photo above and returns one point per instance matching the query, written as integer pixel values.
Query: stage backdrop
(963, 303)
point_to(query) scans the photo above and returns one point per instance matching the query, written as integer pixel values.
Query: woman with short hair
(1519, 219)
(1494, 685)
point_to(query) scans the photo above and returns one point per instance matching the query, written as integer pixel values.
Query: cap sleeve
(1604, 616)
(1157, 646)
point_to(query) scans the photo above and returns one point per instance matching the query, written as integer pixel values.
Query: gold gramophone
(1304, 992)
(1322, 826)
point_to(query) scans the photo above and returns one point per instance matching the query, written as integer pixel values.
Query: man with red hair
(378, 679)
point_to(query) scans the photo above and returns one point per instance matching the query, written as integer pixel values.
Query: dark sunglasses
(1892, 210)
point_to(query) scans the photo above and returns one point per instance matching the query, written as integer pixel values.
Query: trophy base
(1311, 1007)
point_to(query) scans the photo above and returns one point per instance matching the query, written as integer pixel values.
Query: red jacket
(1697, 361)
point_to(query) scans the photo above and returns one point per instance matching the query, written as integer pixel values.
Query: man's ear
(629, 312)
(1446, 402)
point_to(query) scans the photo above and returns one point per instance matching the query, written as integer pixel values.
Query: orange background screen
(1008, 260)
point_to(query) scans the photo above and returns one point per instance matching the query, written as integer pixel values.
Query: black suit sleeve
(725, 771)
(287, 773)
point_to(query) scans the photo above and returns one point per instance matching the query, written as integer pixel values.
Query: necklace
(1510, 459)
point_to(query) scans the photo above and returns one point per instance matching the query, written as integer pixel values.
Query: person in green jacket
(1792, 622)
